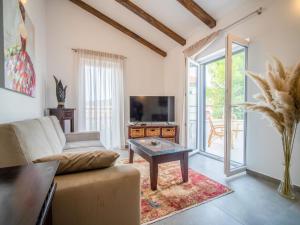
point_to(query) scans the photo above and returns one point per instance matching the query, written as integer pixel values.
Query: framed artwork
(17, 61)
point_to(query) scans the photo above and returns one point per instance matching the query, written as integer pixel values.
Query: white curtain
(202, 44)
(101, 95)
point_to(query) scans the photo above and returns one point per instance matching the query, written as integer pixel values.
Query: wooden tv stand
(168, 132)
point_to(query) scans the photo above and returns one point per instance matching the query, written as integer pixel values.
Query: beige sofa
(100, 197)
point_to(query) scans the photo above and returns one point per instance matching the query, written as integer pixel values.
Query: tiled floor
(253, 202)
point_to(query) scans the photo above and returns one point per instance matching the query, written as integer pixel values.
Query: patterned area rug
(173, 196)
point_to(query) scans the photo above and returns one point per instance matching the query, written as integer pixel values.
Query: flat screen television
(152, 109)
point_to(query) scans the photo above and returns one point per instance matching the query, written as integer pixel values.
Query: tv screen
(152, 109)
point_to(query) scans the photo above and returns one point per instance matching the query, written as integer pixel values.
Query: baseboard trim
(268, 178)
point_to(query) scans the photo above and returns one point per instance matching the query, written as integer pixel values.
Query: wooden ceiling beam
(118, 26)
(195, 9)
(153, 21)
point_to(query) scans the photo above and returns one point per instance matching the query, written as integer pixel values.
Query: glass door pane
(214, 97)
(235, 116)
(238, 115)
(192, 104)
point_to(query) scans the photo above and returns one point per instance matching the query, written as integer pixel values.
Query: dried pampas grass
(280, 96)
(280, 102)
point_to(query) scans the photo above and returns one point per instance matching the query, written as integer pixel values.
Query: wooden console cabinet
(63, 114)
(168, 132)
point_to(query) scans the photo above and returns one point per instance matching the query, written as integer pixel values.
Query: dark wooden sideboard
(63, 114)
(26, 194)
(168, 132)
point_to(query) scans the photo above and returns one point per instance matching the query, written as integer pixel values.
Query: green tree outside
(215, 88)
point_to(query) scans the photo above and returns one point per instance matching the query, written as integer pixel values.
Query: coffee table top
(163, 147)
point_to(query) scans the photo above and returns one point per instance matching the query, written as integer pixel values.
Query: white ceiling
(169, 12)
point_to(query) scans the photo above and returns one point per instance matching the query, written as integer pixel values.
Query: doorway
(216, 123)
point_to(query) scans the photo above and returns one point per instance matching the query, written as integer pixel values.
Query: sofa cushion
(82, 161)
(93, 197)
(51, 134)
(32, 139)
(83, 136)
(11, 153)
(82, 144)
(58, 129)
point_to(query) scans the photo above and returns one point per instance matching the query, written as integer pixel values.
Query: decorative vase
(61, 105)
(60, 93)
(286, 188)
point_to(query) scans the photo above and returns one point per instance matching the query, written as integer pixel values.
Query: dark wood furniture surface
(199, 12)
(165, 151)
(26, 194)
(168, 132)
(63, 114)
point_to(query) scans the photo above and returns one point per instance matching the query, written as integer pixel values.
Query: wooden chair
(219, 131)
(215, 130)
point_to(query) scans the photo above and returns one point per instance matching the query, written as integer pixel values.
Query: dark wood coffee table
(164, 151)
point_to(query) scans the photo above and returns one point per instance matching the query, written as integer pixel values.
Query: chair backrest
(212, 127)
(24, 141)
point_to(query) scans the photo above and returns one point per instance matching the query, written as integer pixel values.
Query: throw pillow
(72, 162)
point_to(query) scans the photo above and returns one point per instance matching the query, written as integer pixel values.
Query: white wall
(275, 33)
(278, 35)
(71, 27)
(16, 106)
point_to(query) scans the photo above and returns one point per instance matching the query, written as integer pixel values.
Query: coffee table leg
(131, 153)
(153, 175)
(184, 163)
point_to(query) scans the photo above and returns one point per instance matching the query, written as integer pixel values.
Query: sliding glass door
(235, 115)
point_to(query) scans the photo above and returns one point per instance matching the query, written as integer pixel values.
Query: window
(100, 96)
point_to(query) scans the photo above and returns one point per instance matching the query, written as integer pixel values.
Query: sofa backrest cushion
(58, 129)
(32, 139)
(51, 134)
(11, 153)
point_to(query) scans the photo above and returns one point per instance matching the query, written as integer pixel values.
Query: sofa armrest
(83, 136)
(110, 195)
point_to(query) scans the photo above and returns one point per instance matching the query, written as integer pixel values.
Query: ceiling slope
(151, 20)
(118, 26)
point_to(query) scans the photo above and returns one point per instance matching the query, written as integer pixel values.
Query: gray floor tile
(289, 216)
(205, 214)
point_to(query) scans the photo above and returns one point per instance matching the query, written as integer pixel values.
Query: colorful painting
(18, 32)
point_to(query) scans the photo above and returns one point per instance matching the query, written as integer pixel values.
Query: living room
(139, 87)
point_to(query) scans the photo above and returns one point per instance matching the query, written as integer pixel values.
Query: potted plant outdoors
(279, 101)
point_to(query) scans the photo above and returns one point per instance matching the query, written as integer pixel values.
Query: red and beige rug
(173, 196)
